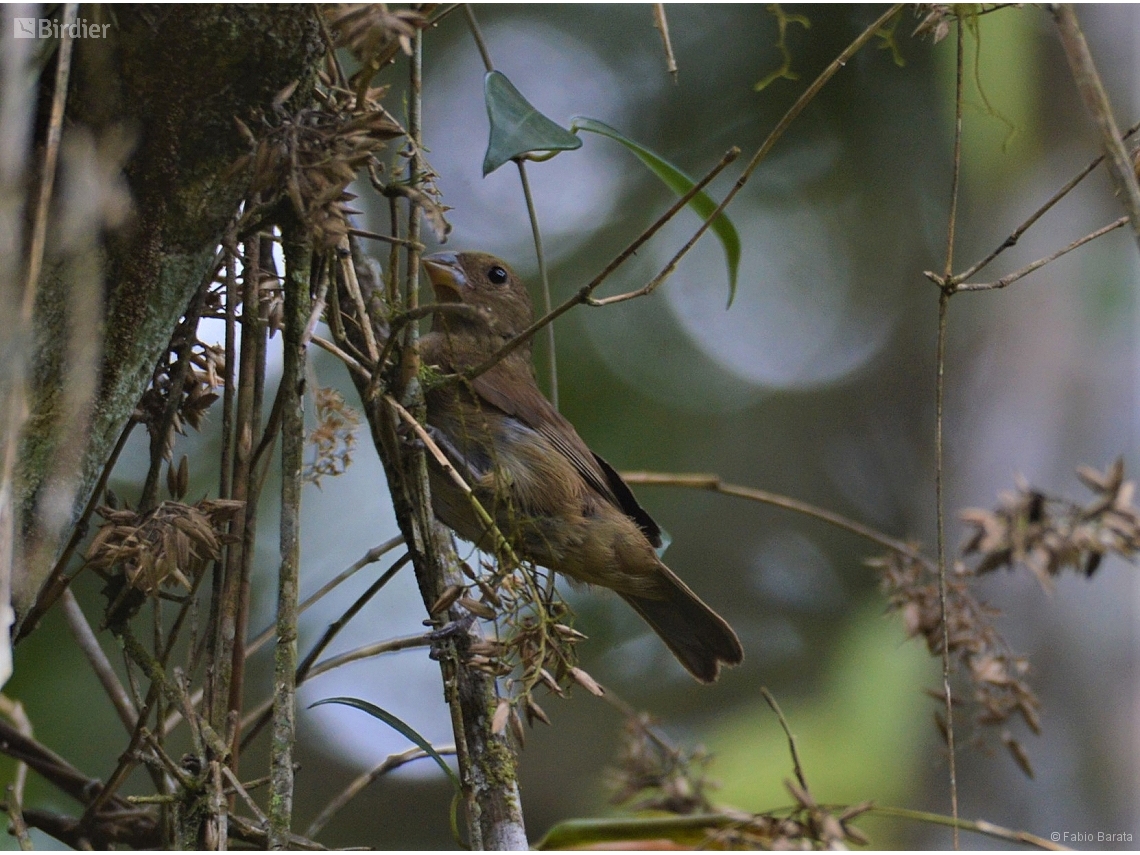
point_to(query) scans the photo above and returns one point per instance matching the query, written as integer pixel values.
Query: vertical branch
(225, 482)
(226, 654)
(298, 263)
(487, 763)
(1096, 102)
(939, 395)
(431, 571)
(947, 290)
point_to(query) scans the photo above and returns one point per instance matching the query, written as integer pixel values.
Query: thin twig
(14, 711)
(249, 802)
(350, 362)
(980, 826)
(714, 483)
(348, 270)
(38, 241)
(331, 632)
(1016, 234)
(662, 25)
(364, 233)
(162, 429)
(1096, 102)
(16, 815)
(370, 557)
(1010, 278)
(944, 295)
(336, 626)
(796, 767)
(97, 659)
(58, 581)
(393, 761)
(477, 34)
(226, 458)
(373, 555)
(367, 651)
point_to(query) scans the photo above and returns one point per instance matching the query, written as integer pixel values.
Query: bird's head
(484, 283)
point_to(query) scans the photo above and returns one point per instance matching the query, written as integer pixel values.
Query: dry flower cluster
(654, 775)
(334, 437)
(978, 651)
(310, 157)
(534, 643)
(202, 374)
(1027, 529)
(936, 20)
(169, 545)
(1046, 535)
(374, 34)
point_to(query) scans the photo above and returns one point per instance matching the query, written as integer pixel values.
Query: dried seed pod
(477, 608)
(534, 711)
(586, 682)
(569, 632)
(1018, 753)
(445, 600)
(517, 727)
(489, 593)
(502, 713)
(551, 683)
(486, 648)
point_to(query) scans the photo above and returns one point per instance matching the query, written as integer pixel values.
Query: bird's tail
(699, 637)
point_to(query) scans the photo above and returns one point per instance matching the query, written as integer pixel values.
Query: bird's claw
(450, 630)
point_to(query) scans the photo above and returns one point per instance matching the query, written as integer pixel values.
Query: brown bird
(557, 503)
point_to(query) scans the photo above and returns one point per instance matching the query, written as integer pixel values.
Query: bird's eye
(497, 275)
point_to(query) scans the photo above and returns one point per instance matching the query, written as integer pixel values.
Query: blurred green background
(817, 383)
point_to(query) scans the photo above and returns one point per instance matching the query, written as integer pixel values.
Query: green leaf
(679, 183)
(398, 725)
(517, 128)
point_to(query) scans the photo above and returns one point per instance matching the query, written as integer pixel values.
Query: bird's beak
(447, 277)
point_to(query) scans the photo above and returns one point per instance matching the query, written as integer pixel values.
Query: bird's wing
(527, 404)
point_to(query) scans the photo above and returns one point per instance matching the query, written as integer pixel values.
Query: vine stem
(544, 278)
(532, 212)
